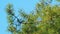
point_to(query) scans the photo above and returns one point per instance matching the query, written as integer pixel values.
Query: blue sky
(27, 5)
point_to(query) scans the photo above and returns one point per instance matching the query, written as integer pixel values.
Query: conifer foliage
(44, 20)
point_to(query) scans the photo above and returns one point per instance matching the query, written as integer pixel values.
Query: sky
(27, 5)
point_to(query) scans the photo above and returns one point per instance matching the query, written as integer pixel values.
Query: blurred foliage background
(45, 19)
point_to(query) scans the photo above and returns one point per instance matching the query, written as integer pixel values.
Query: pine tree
(44, 20)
